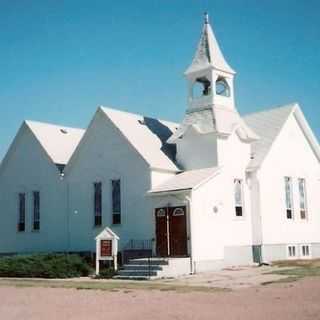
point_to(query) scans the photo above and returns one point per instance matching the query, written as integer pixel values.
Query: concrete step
(151, 261)
(139, 269)
(142, 267)
(137, 273)
(133, 278)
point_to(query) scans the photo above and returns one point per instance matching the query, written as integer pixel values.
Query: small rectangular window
(36, 210)
(97, 203)
(289, 201)
(302, 198)
(305, 251)
(291, 251)
(238, 197)
(22, 212)
(116, 201)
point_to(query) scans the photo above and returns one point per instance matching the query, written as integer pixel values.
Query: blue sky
(60, 60)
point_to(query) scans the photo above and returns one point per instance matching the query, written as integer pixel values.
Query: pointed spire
(206, 18)
(208, 52)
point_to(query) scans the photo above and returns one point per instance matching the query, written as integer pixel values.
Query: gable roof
(59, 142)
(148, 136)
(186, 180)
(268, 124)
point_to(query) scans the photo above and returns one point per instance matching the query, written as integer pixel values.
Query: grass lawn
(296, 269)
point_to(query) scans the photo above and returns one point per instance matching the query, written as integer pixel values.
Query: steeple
(208, 52)
(211, 104)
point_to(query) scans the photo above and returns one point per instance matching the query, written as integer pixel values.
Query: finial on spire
(206, 18)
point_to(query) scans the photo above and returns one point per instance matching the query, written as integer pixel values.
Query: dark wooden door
(178, 231)
(162, 232)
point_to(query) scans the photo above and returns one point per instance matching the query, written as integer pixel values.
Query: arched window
(178, 212)
(222, 87)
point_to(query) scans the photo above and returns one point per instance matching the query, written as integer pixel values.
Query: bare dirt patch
(294, 301)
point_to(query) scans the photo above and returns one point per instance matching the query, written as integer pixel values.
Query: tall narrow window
(36, 210)
(22, 212)
(97, 204)
(238, 197)
(116, 202)
(302, 197)
(289, 202)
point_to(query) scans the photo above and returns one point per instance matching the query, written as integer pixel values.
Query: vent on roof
(141, 122)
(64, 131)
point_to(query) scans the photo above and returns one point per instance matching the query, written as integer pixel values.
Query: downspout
(192, 266)
(68, 217)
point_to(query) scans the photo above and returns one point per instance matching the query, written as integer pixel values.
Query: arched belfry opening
(201, 87)
(222, 87)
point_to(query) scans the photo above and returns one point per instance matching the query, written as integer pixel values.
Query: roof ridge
(136, 114)
(28, 122)
(290, 105)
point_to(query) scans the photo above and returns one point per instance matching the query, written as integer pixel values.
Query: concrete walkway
(231, 278)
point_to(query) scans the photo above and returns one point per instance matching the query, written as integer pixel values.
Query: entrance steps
(154, 268)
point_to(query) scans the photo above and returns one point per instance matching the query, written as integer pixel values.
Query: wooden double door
(171, 232)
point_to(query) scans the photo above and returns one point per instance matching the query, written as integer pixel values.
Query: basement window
(305, 251)
(292, 252)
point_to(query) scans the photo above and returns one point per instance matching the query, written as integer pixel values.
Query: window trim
(305, 209)
(236, 207)
(291, 209)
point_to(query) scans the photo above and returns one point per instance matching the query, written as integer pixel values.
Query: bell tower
(211, 116)
(210, 78)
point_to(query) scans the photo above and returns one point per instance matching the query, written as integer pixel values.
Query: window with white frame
(289, 199)
(305, 251)
(292, 251)
(238, 197)
(302, 198)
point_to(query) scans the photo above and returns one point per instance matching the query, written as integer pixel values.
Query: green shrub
(106, 273)
(44, 266)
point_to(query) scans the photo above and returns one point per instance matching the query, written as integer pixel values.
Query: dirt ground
(231, 278)
(295, 301)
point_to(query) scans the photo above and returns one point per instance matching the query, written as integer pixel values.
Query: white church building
(218, 189)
